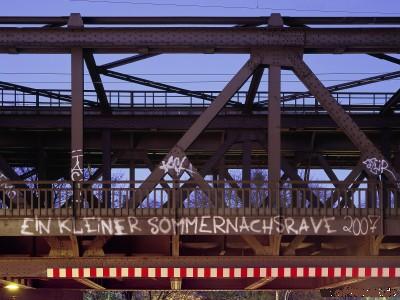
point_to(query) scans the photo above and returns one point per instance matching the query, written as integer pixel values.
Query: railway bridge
(228, 202)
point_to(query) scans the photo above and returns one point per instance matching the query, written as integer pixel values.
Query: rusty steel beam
(207, 39)
(246, 170)
(327, 168)
(251, 93)
(125, 61)
(386, 57)
(77, 115)
(177, 20)
(7, 170)
(181, 120)
(230, 140)
(41, 93)
(36, 267)
(390, 104)
(342, 86)
(259, 283)
(343, 120)
(274, 125)
(90, 283)
(344, 282)
(97, 82)
(202, 122)
(156, 85)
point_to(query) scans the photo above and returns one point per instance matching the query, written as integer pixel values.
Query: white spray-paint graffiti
(7, 187)
(361, 225)
(201, 225)
(76, 170)
(177, 165)
(377, 166)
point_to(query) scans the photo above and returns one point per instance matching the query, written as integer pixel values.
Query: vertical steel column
(132, 175)
(274, 130)
(77, 120)
(246, 171)
(132, 178)
(106, 160)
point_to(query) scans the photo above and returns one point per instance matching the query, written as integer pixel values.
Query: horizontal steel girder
(181, 120)
(199, 40)
(37, 267)
(293, 21)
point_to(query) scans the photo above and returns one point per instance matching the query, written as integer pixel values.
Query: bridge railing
(315, 198)
(292, 102)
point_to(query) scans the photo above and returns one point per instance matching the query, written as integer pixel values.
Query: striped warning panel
(209, 272)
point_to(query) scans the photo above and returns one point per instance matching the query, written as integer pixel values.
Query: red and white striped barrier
(209, 272)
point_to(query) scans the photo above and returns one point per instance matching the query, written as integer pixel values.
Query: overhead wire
(188, 74)
(184, 82)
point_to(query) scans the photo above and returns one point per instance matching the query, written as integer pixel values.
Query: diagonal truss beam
(41, 93)
(343, 86)
(125, 61)
(368, 150)
(300, 183)
(202, 122)
(90, 283)
(28, 174)
(291, 172)
(391, 103)
(97, 83)
(213, 161)
(157, 85)
(386, 57)
(251, 93)
(259, 283)
(341, 283)
(6, 169)
(327, 168)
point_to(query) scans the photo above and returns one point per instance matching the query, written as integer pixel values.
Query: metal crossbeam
(198, 39)
(90, 283)
(41, 93)
(125, 61)
(386, 57)
(156, 85)
(391, 103)
(177, 20)
(251, 94)
(97, 83)
(342, 86)
(202, 122)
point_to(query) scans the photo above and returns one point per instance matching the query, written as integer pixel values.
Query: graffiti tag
(177, 165)
(377, 166)
(11, 194)
(76, 170)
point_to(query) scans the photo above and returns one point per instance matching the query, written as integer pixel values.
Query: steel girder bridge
(62, 228)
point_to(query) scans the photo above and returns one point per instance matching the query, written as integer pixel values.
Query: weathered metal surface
(180, 40)
(37, 267)
(373, 160)
(97, 82)
(201, 20)
(203, 121)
